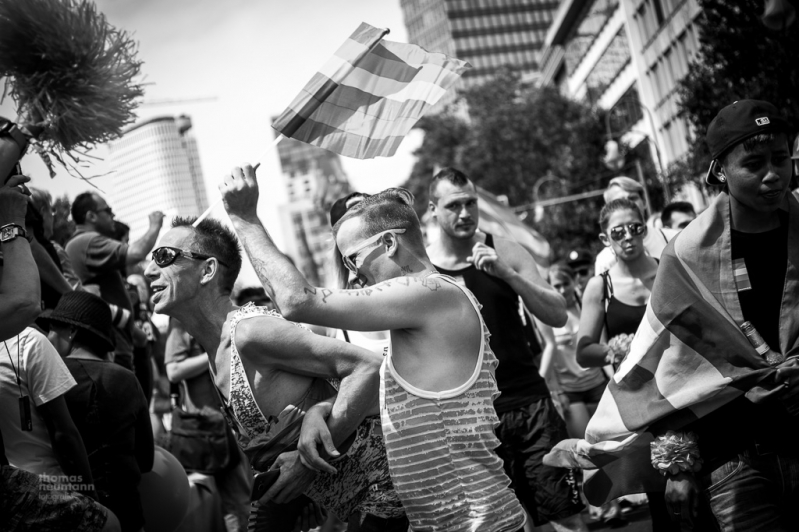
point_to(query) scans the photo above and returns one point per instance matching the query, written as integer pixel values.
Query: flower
(676, 452)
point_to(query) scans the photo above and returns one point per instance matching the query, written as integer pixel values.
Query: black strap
(607, 293)
(346, 336)
(489, 240)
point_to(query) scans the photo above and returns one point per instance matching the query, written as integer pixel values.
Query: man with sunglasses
(499, 272)
(436, 380)
(269, 372)
(98, 259)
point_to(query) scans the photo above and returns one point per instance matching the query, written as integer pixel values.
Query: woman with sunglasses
(614, 304)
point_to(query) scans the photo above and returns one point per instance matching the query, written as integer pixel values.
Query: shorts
(588, 396)
(526, 435)
(28, 503)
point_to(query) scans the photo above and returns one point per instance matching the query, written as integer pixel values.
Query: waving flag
(368, 96)
(688, 358)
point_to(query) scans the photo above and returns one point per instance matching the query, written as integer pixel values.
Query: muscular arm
(283, 345)
(543, 301)
(591, 353)
(138, 250)
(66, 441)
(187, 368)
(20, 291)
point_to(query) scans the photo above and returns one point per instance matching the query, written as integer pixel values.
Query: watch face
(5, 234)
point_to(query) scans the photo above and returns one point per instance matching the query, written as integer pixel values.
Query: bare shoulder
(593, 290)
(262, 335)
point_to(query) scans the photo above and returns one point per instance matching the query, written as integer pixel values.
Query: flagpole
(263, 156)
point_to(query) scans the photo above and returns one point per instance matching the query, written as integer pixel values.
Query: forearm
(358, 397)
(138, 250)
(593, 355)
(541, 301)
(19, 288)
(71, 456)
(48, 270)
(186, 369)
(281, 280)
(9, 156)
(548, 354)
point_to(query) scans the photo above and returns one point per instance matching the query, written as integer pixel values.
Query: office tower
(156, 166)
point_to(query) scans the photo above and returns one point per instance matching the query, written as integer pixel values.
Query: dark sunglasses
(634, 228)
(107, 209)
(165, 256)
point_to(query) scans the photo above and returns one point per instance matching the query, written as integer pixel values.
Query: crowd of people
(443, 382)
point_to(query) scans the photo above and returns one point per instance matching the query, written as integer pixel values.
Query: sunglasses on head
(349, 258)
(634, 228)
(164, 256)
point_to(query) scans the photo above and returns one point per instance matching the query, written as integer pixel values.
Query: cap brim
(109, 342)
(710, 178)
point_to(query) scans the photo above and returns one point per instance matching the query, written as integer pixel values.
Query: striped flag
(688, 358)
(368, 96)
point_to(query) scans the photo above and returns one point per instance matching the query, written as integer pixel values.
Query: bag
(202, 441)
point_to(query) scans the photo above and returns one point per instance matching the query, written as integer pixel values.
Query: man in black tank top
(500, 272)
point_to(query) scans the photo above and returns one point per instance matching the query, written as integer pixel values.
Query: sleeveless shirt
(517, 375)
(441, 449)
(362, 484)
(620, 318)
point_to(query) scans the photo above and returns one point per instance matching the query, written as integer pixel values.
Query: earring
(722, 178)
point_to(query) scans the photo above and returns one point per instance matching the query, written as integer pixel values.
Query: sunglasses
(165, 256)
(634, 228)
(349, 258)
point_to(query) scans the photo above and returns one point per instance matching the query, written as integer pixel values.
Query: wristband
(676, 452)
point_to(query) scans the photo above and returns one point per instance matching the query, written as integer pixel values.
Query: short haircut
(40, 198)
(675, 206)
(212, 238)
(342, 205)
(91, 342)
(627, 184)
(390, 209)
(121, 230)
(753, 142)
(83, 203)
(617, 205)
(453, 175)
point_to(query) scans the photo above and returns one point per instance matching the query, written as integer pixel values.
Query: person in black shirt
(749, 449)
(499, 272)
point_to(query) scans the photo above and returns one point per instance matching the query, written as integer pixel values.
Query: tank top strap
(490, 240)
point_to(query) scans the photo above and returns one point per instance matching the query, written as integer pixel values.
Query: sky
(252, 57)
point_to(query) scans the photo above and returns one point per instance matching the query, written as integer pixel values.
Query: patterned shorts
(28, 503)
(363, 484)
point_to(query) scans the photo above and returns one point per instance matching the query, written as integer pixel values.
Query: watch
(11, 231)
(10, 129)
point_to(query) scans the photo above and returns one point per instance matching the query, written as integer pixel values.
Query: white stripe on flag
(390, 89)
(366, 125)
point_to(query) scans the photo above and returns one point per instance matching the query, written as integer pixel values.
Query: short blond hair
(625, 183)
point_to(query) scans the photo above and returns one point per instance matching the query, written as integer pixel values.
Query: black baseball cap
(736, 123)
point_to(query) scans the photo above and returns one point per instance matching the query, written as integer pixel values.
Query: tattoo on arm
(405, 270)
(260, 268)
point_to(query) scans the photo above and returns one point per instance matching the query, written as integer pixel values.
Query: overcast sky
(253, 56)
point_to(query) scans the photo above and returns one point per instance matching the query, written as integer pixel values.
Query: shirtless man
(436, 381)
(269, 371)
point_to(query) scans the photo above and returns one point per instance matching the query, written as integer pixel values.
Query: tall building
(626, 56)
(488, 34)
(157, 167)
(314, 179)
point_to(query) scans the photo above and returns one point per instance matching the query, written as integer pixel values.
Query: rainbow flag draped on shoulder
(368, 96)
(688, 358)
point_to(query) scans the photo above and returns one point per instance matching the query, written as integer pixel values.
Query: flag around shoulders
(688, 358)
(368, 96)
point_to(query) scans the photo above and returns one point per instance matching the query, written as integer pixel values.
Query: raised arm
(138, 250)
(19, 286)
(283, 345)
(514, 265)
(404, 302)
(591, 353)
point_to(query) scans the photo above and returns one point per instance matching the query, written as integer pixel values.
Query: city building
(489, 34)
(626, 56)
(314, 179)
(156, 166)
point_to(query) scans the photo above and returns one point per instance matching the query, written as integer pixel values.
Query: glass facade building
(156, 165)
(489, 34)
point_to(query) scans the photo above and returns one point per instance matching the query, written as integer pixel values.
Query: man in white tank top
(437, 381)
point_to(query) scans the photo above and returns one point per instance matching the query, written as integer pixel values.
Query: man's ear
(718, 171)
(210, 267)
(431, 207)
(604, 239)
(391, 242)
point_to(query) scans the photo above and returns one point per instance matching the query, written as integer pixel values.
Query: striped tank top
(440, 448)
